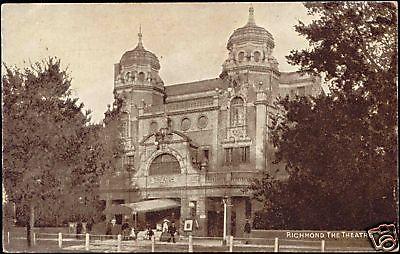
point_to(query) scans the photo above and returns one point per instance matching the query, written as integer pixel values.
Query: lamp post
(135, 213)
(224, 200)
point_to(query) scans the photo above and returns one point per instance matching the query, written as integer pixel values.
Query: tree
(52, 156)
(98, 157)
(340, 150)
(41, 124)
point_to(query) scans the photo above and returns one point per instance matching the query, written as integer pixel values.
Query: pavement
(198, 245)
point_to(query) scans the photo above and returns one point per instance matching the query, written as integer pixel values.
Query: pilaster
(261, 125)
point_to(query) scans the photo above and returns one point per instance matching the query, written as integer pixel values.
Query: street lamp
(225, 201)
(135, 214)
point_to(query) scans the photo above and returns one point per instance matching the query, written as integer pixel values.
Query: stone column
(202, 216)
(228, 216)
(184, 211)
(261, 125)
(214, 117)
(240, 210)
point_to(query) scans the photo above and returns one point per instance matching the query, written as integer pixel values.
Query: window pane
(257, 56)
(164, 164)
(241, 56)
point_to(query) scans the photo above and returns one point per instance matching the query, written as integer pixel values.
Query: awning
(152, 205)
(117, 209)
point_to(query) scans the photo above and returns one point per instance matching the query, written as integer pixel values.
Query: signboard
(188, 227)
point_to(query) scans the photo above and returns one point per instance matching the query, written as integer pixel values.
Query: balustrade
(190, 180)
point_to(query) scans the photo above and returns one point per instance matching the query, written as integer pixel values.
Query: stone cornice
(252, 68)
(179, 112)
(140, 87)
(262, 102)
(170, 188)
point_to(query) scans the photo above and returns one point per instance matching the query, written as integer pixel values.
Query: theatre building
(191, 147)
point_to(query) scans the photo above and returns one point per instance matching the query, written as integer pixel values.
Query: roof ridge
(192, 82)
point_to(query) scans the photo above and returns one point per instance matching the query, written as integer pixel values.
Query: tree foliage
(53, 157)
(340, 150)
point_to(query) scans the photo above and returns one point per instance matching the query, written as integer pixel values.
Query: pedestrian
(247, 230)
(78, 229)
(115, 228)
(172, 231)
(133, 233)
(150, 232)
(90, 225)
(126, 230)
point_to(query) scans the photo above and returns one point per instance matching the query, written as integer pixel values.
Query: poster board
(188, 227)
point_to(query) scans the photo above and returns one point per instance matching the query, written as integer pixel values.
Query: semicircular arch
(166, 152)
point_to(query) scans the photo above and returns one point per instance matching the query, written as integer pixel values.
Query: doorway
(215, 223)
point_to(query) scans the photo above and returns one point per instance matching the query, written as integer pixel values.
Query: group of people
(82, 228)
(126, 230)
(168, 231)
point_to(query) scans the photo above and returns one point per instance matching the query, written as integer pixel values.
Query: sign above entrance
(152, 205)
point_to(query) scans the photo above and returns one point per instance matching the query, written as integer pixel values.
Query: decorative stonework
(153, 127)
(185, 124)
(202, 122)
(156, 153)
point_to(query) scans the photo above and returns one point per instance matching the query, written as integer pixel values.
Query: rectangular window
(245, 153)
(206, 154)
(228, 156)
(237, 155)
(247, 208)
(131, 160)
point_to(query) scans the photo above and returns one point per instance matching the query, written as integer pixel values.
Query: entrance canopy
(117, 209)
(152, 205)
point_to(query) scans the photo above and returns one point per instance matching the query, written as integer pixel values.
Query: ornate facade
(202, 142)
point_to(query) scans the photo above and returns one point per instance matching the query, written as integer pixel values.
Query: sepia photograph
(200, 127)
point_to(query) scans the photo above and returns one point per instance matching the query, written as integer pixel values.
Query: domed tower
(136, 77)
(252, 76)
(250, 60)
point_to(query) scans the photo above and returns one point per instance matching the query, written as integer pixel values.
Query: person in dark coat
(89, 225)
(126, 230)
(78, 229)
(247, 230)
(150, 232)
(172, 231)
(115, 229)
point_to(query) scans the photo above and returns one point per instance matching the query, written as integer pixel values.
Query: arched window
(241, 56)
(237, 112)
(128, 76)
(141, 76)
(164, 164)
(257, 56)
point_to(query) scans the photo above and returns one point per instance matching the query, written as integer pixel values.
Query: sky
(188, 38)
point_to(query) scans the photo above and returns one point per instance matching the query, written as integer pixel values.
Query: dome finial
(251, 16)
(140, 44)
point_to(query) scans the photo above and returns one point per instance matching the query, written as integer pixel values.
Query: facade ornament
(163, 136)
(251, 21)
